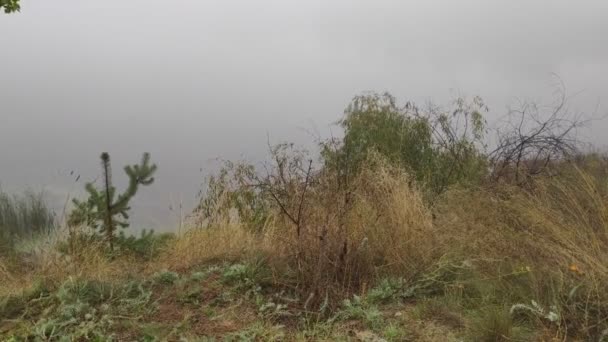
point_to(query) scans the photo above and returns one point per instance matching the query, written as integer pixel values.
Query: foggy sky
(192, 80)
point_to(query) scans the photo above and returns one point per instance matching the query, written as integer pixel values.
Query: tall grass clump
(216, 244)
(23, 216)
(377, 226)
(557, 231)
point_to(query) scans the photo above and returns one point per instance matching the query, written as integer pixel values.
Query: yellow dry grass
(212, 244)
(48, 265)
(385, 229)
(558, 231)
(561, 224)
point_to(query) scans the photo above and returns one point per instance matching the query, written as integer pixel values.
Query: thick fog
(192, 80)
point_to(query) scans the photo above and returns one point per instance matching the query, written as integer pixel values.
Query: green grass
(223, 303)
(235, 302)
(25, 215)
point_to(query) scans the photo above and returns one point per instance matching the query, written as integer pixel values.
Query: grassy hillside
(407, 229)
(480, 264)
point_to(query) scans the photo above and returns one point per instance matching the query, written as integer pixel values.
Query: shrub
(10, 6)
(232, 188)
(165, 277)
(332, 236)
(438, 147)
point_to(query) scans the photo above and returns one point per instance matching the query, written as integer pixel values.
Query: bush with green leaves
(439, 147)
(10, 6)
(234, 187)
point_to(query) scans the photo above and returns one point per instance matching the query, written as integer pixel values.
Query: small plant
(165, 277)
(247, 276)
(237, 273)
(496, 324)
(190, 295)
(393, 332)
(198, 276)
(552, 315)
(275, 306)
(273, 310)
(104, 209)
(387, 290)
(84, 291)
(358, 309)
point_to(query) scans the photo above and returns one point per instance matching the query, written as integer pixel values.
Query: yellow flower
(575, 269)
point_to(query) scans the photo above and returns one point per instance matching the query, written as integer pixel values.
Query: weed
(246, 276)
(443, 310)
(388, 289)
(165, 277)
(393, 333)
(258, 332)
(496, 324)
(358, 309)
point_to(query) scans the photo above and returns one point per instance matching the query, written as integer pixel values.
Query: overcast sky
(192, 80)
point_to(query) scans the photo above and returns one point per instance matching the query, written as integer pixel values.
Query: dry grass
(562, 223)
(5, 273)
(558, 231)
(197, 247)
(43, 262)
(384, 229)
(350, 237)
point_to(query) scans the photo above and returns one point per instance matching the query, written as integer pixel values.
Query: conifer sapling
(104, 209)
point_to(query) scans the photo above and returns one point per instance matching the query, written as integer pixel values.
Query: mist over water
(191, 81)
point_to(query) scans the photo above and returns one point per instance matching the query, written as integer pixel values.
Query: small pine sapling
(104, 209)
